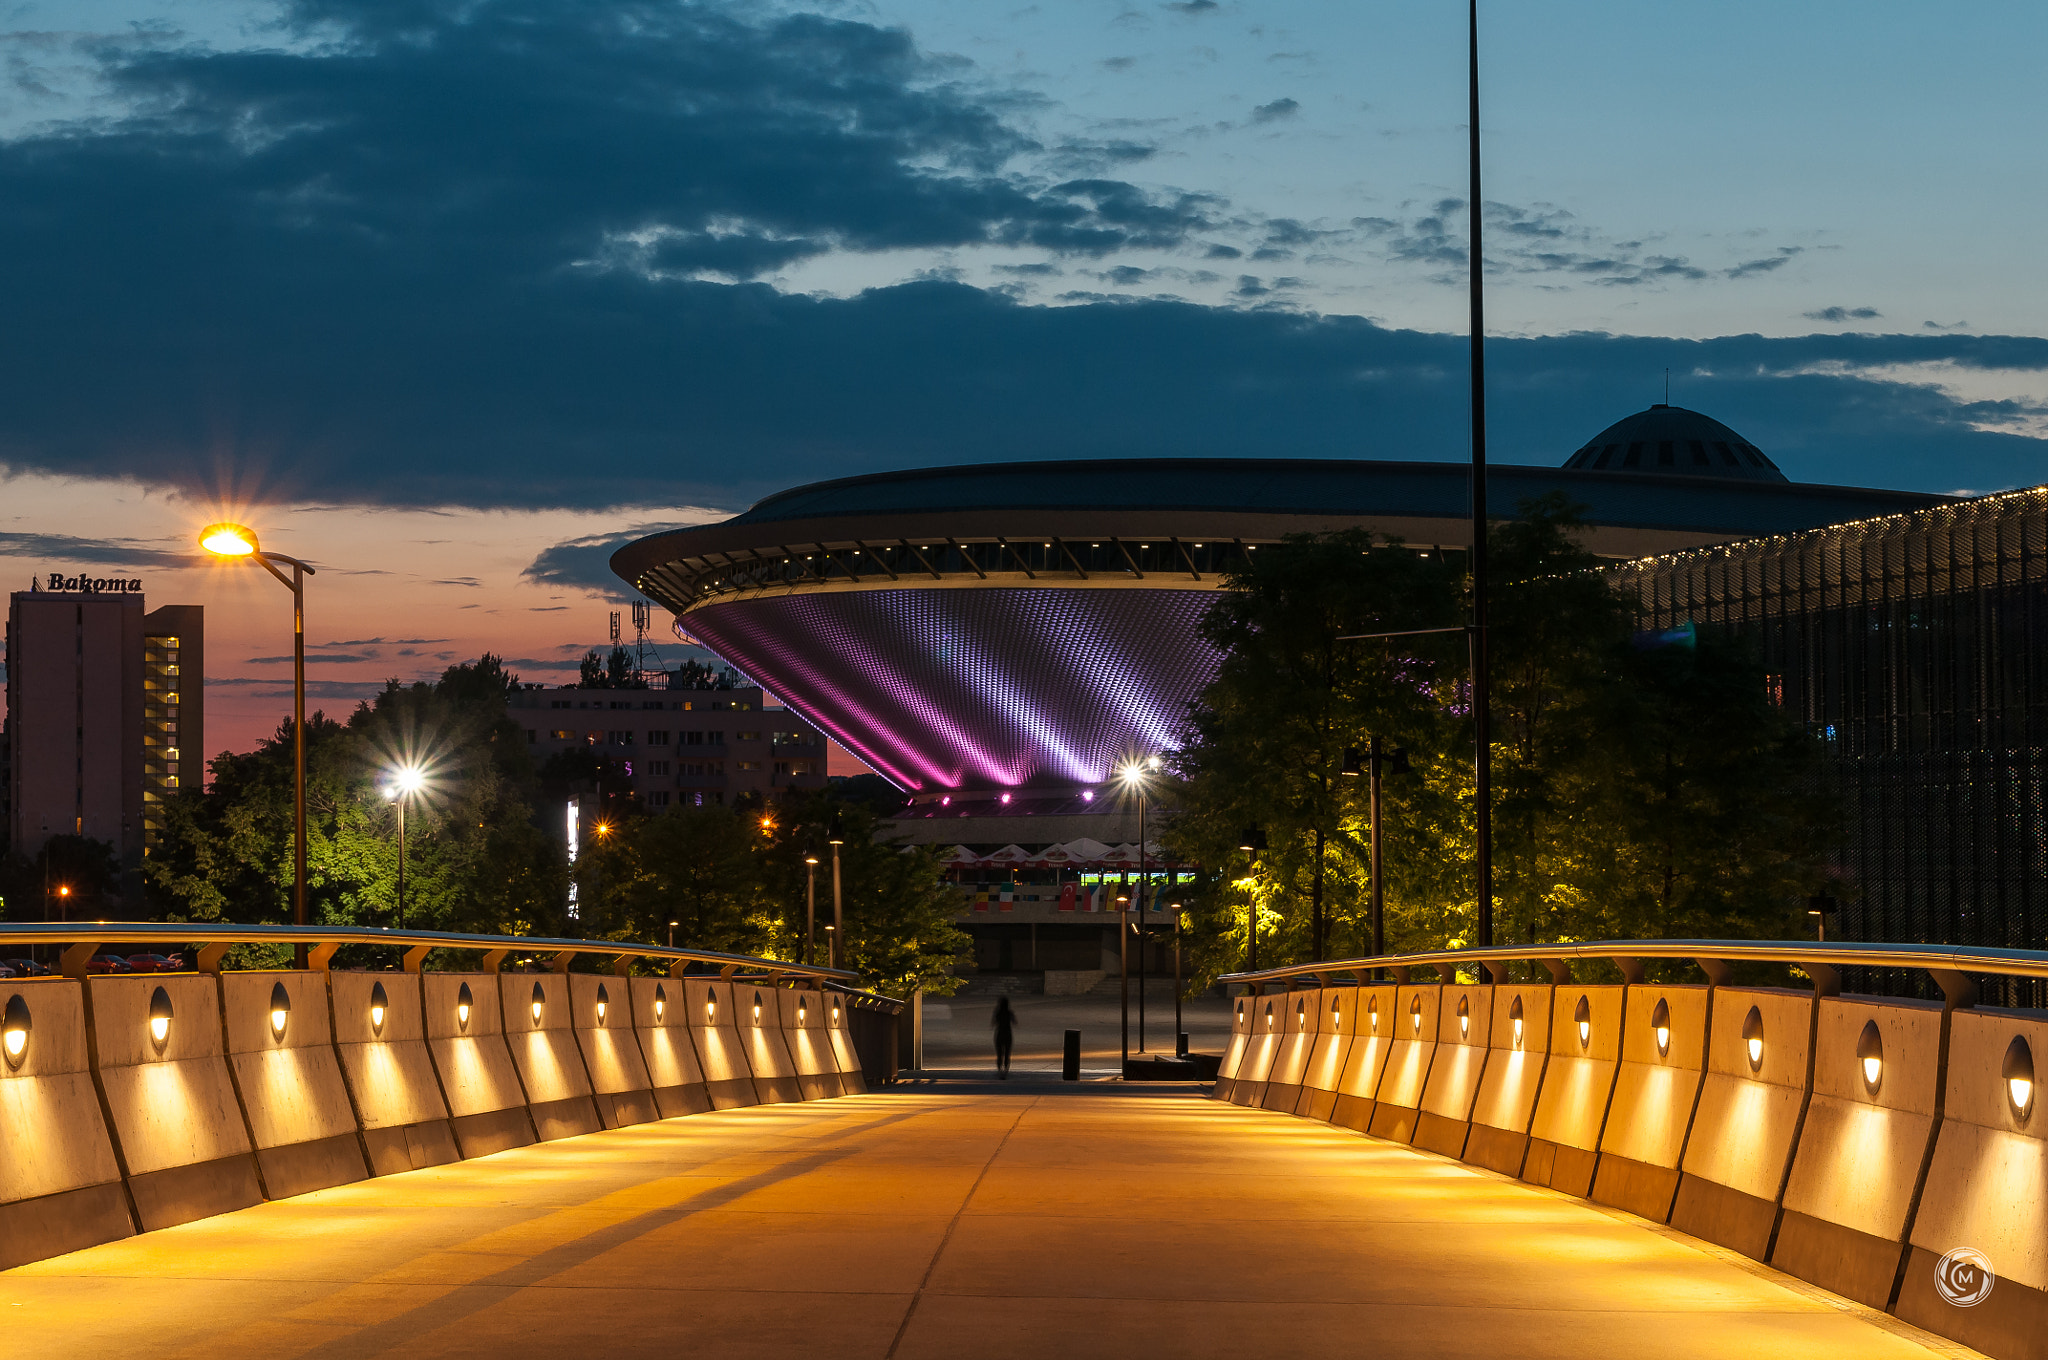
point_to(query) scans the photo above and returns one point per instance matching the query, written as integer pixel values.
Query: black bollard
(1070, 1058)
(1181, 1047)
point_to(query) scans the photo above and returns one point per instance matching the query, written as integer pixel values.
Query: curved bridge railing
(136, 1100)
(1887, 1150)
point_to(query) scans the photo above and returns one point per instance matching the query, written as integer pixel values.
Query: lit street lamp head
(228, 540)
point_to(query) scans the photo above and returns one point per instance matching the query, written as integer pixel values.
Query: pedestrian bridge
(1405, 1167)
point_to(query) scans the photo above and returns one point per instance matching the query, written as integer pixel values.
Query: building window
(558, 703)
(657, 799)
(657, 767)
(750, 764)
(562, 734)
(620, 738)
(750, 736)
(531, 736)
(657, 738)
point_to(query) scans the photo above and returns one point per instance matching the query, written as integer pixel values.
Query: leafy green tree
(695, 866)
(1639, 791)
(898, 910)
(1267, 739)
(475, 860)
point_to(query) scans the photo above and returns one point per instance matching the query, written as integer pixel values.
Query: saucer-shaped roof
(1675, 442)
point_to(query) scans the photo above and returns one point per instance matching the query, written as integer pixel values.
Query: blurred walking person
(1004, 1022)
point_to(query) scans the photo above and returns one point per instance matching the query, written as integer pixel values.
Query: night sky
(448, 298)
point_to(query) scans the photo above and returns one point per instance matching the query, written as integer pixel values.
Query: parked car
(26, 968)
(153, 963)
(6, 972)
(107, 963)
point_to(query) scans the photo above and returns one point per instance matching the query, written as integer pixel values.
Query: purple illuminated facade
(988, 688)
(1023, 625)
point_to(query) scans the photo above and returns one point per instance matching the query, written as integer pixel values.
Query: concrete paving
(1050, 1219)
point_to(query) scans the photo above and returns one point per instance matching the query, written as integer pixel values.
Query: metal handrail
(1948, 965)
(325, 940)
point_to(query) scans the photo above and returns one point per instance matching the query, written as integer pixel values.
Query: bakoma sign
(94, 585)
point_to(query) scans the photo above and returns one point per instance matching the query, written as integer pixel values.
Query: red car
(107, 963)
(154, 963)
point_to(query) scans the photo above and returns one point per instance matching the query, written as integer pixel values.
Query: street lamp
(406, 781)
(1252, 840)
(836, 834)
(1134, 774)
(233, 541)
(810, 901)
(1376, 763)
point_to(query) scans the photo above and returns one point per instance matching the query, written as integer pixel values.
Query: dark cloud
(584, 564)
(1841, 314)
(1191, 6)
(1278, 109)
(113, 552)
(501, 253)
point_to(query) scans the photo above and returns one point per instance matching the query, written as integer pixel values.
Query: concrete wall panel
(601, 1019)
(1743, 1131)
(1269, 1019)
(1654, 1094)
(810, 1043)
(544, 1049)
(1506, 1100)
(404, 1117)
(1241, 1013)
(175, 1114)
(714, 1029)
(1577, 1082)
(1325, 1069)
(60, 1187)
(1408, 1062)
(1463, 1036)
(292, 1089)
(768, 1057)
(1365, 1064)
(661, 1014)
(486, 1104)
(1987, 1189)
(1300, 1019)
(839, 1029)
(1860, 1152)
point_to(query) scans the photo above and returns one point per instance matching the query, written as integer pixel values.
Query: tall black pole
(1379, 889)
(1144, 871)
(1482, 737)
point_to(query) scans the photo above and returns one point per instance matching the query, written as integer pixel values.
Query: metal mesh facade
(1914, 647)
(977, 687)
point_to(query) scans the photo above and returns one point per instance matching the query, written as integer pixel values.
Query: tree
(900, 934)
(614, 671)
(1266, 740)
(475, 860)
(1639, 790)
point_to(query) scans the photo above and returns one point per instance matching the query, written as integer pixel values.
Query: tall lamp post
(1374, 765)
(235, 541)
(810, 901)
(1134, 776)
(1252, 841)
(405, 782)
(836, 834)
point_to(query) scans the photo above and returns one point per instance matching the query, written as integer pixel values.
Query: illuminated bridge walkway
(637, 1150)
(935, 1225)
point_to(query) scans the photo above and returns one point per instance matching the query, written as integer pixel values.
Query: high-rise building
(103, 699)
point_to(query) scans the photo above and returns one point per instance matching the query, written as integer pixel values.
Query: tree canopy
(1642, 787)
